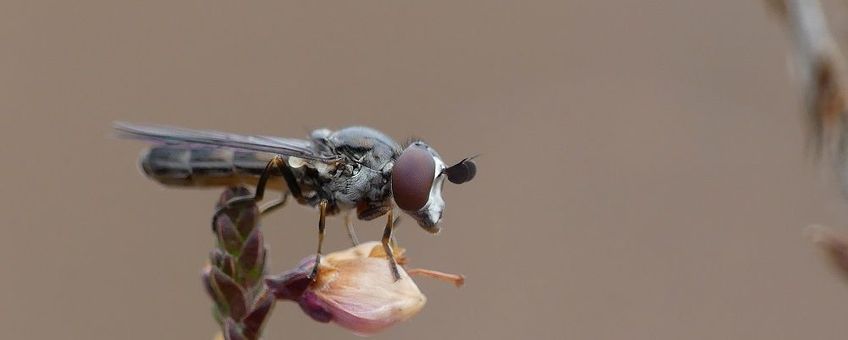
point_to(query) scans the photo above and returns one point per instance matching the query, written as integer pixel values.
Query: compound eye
(412, 178)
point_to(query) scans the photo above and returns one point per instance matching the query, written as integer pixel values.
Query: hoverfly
(352, 169)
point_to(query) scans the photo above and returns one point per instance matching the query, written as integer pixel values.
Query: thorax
(362, 177)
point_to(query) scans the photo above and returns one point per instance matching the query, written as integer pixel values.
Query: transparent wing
(175, 135)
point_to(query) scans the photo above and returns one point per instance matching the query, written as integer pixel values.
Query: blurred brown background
(643, 172)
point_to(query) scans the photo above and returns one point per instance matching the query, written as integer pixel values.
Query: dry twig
(819, 66)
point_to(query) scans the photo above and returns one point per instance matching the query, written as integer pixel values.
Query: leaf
(228, 236)
(231, 331)
(251, 254)
(229, 294)
(254, 321)
(247, 218)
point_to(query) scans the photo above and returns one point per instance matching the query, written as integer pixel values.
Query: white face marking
(435, 203)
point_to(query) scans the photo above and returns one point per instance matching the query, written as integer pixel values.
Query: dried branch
(819, 66)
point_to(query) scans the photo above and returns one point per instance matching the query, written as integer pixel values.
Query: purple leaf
(229, 294)
(227, 234)
(251, 252)
(231, 331)
(254, 321)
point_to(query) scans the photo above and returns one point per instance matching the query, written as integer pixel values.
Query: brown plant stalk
(234, 276)
(820, 67)
(820, 70)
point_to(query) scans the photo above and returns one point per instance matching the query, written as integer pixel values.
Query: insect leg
(387, 237)
(277, 163)
(274, 205)
(394, 241)
(350, 231)
(322, 211)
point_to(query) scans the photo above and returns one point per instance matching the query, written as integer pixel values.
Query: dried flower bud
(354, 288)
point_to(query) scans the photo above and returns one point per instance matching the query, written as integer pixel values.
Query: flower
(355, 289)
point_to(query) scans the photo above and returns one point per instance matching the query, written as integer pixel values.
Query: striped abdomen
(204, 166)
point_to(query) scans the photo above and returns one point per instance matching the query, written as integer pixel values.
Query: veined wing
(175, 135)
